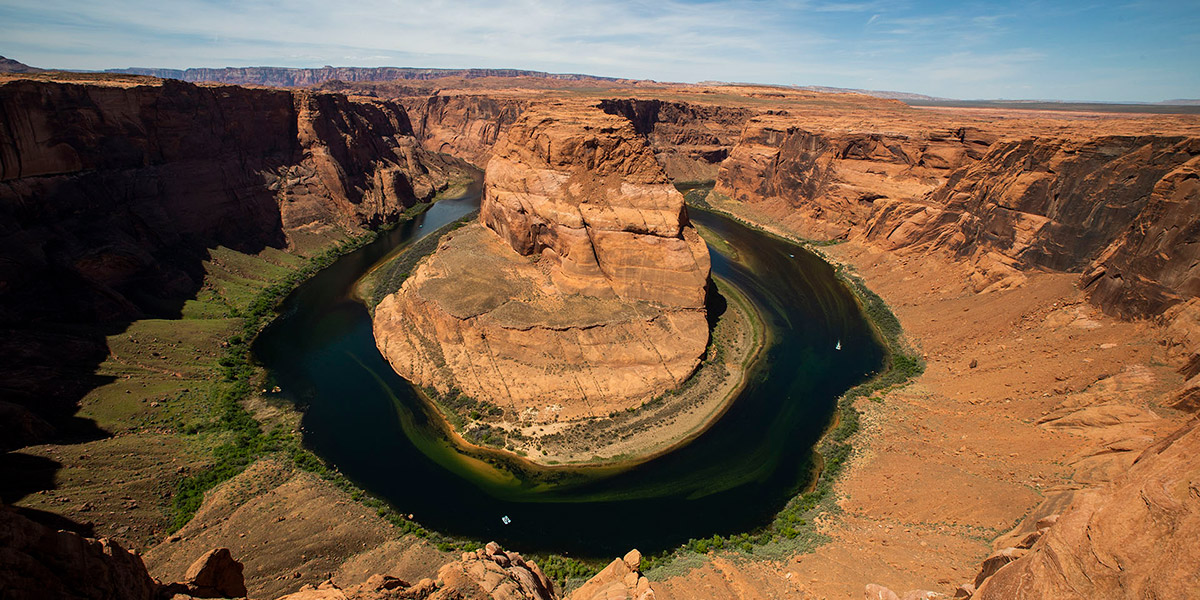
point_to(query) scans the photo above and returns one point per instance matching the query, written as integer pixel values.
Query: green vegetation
(718, 243)
(567, 573)
(248, 301)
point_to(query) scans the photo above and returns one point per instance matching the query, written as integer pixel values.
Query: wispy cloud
(960, 49)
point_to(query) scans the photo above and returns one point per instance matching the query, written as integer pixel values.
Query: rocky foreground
(38, 562)
(580, 292)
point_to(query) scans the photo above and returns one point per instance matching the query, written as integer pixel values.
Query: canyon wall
(112, 192)
(1120, 208)
(689, 140)
(829, 181)
(1037, 203)
(582, 292)
(466, 126)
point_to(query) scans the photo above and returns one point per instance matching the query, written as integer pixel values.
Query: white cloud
(956, 50)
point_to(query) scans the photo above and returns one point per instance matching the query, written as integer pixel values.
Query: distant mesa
(8, 65)
(308, 77)
(580, 291)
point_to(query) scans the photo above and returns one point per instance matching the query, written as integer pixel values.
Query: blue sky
(1110, 51)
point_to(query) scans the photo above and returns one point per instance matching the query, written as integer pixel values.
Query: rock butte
(580, 291)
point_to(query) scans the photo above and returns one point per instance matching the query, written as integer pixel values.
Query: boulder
(216, 575)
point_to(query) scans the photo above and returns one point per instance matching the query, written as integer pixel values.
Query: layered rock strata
(689, 140)
(833, 180)
(466, 126)
(580, 292)
(1031, 203)
(113, 190)
(1119, 208)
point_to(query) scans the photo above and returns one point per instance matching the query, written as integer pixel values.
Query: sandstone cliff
(1153, 263)
(1119, 207)
(1037, 202)
(466, 126)
(689, 140)
(113, 191)
(584, 293)
(832, 179)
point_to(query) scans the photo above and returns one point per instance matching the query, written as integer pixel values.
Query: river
(364, 419)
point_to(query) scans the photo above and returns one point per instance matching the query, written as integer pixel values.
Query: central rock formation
(580, 292)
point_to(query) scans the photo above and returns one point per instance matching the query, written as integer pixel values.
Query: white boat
(838, 346)
(505, 520)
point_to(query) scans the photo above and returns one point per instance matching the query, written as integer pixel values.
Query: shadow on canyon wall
(114, 194)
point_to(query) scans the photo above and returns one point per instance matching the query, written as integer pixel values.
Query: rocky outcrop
(585, 292)
(215, 575)
(498, 574)
(583, 189)
(832, 180)
(1133, 539)
(622, 579)
(111, 194)
(465, 126)
(38, 562)
(489, 573)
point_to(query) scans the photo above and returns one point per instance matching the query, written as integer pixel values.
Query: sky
(1013, 49)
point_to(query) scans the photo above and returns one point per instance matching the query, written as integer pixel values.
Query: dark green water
(364, 419)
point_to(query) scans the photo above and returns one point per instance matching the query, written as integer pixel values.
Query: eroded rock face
(689, 140)
(1043, 203)
(464, 126)
(110, 193)
(582, 292)
(1135, 539)
(583, 189)
(833, 179)
(1155, 262)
